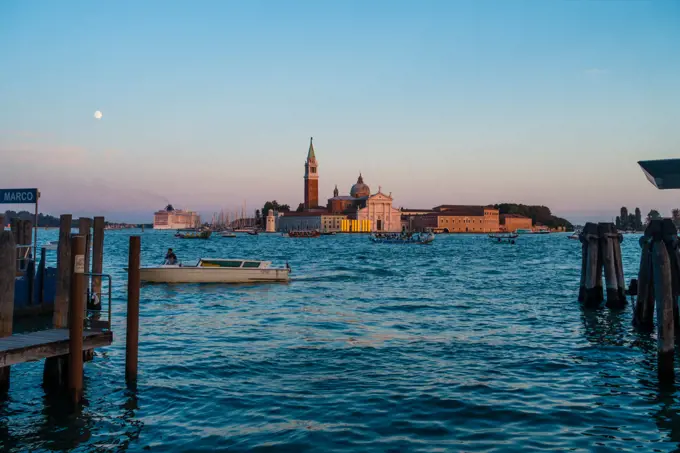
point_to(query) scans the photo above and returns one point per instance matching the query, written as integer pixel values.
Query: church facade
(358, 212)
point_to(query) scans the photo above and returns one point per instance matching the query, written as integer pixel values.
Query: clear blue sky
(206, 104)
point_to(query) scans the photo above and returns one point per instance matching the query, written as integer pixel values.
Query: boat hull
(212, 275)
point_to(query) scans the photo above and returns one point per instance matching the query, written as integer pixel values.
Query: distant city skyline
(206, 105)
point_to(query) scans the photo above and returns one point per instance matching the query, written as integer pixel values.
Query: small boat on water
(524, 231)
(253, 233)
(228, 234)
(304, 234)
(195, 235)
(403, 238)
(328, 233)
(509, 238)
(575, 235)
(209, 270)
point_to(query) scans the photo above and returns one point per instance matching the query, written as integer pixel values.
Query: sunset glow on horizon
(211, 105)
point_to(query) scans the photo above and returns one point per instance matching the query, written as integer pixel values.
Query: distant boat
(402, 238)
(524, 231)
(575, 235)
(328, 233)
(304, 234)
(253, 233)
(509, 238)
(228, 234)
(195, 235)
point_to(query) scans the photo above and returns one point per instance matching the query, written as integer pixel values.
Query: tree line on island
(48, 221)
(540, 215)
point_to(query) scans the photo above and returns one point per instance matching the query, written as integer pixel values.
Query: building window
(313, 169)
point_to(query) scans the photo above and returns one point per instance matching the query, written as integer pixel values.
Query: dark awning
(663, 173)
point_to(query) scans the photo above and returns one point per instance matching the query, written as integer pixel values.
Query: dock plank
(27, 347)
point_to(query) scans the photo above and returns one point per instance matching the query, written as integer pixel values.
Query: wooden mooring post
(132, 336)
(7, 276)
(601, 251)
(94, 302)
(56, 368)
(659, 284)
(84, 229)
(76, 317)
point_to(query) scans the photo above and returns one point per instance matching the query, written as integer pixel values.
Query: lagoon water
(463, 345)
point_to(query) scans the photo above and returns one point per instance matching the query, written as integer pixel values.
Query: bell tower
(311, 179)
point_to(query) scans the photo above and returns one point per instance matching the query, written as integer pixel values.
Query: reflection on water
(465, 345)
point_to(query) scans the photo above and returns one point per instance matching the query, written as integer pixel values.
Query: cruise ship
(175, 219)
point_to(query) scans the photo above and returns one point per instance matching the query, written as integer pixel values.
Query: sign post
(24, 196)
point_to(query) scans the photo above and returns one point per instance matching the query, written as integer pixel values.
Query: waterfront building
(458, 219)
(311, 220)
(174, 219)
(373, 212)
(514, 222)
(360, 211)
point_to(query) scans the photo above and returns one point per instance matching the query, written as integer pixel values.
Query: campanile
(311, 178)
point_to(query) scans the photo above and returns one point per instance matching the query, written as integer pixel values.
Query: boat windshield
(251, 264)
(221, 263)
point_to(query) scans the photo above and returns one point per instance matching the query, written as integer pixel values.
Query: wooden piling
(62, 296)
(593, 274)
(613, 267)
(644, 307)
(584, 268)
(664, 309)
(2, 222)
(56, 368)
(84, 229)
(76, 317)
(7, 277)
(97, 261)
(618, 263)
(132, 338)
(41, 272)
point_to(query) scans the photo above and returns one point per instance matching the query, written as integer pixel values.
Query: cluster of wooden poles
(601, 249)
(657, 287)
(659, 284)
(65, 372)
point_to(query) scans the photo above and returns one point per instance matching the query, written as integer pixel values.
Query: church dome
(360, 189)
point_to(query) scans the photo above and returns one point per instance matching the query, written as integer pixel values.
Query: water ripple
(465, 345)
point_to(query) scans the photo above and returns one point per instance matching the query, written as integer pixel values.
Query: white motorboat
(403, 238)
(228, 234)
(509, 238)
(209, 270)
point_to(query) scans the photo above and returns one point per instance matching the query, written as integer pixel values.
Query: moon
(98, 115)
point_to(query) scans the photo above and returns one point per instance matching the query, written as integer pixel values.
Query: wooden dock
(27, 347)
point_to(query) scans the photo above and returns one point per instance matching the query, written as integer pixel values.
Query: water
(464, 345)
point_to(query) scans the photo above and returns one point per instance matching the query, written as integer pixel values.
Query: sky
(210, 104)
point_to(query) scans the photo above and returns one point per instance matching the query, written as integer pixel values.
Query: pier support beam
(76, 317)
(7, 276)
(132, 337)
(56, 368)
